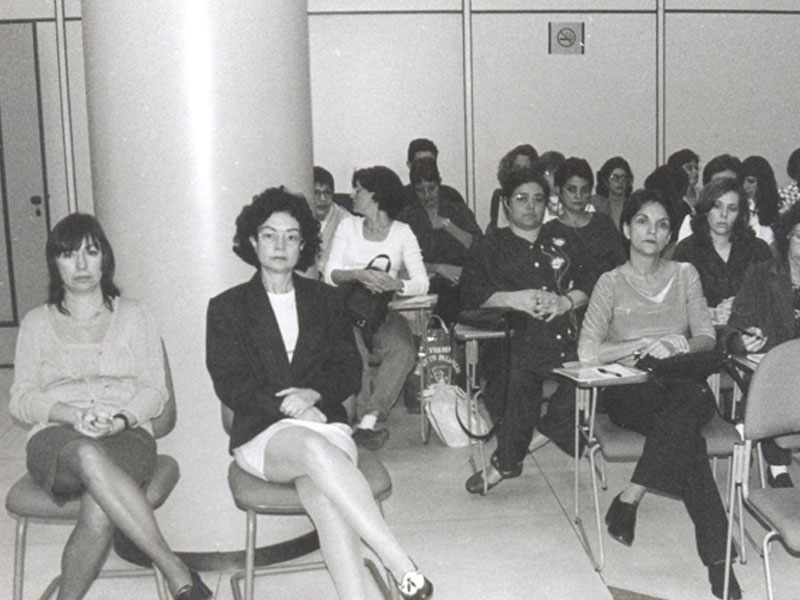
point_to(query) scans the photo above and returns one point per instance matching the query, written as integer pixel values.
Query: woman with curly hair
(282, 357)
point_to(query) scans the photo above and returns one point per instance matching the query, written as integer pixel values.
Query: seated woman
(762, 194)
(444, 229)
(614, 185)
(281, 354)
(651, 306)
(519, 268)
(722, 246)
(378, 198)
(766, 313)
(596, 240)
(89, 377)
(519, 157)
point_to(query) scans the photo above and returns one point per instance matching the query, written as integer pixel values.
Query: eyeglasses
(273, 238)
(323, 194)
(525, 198)
(618, 178)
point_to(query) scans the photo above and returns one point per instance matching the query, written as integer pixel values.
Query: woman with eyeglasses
(763, 198)
(597, 242)
(282, 357)
(766, 313)
(378, 200)
(722, 246)
(614, 185)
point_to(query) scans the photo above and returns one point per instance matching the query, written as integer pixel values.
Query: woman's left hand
(667, 346)
(296, 400)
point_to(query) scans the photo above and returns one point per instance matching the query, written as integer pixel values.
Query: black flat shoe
(621, 520)
(475, 485)
(197, 590)
(716, 576)
(415, 586)
(781, 480)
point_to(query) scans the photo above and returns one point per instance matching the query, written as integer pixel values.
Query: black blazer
(247, 360)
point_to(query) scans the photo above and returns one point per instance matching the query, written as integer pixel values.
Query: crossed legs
(111, 500)
(340, 503)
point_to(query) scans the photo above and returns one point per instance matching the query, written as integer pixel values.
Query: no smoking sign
(565, 38)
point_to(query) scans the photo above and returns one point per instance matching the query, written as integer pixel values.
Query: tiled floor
(518, 542)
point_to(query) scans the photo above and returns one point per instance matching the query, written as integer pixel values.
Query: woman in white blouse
(378, 199)
(89, 377)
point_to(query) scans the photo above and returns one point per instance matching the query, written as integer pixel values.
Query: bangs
(71, 232)
(72, 242)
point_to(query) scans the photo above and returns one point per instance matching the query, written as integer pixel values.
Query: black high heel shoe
(475, 485)
(415, 586)
(621, 520)
(197, 590)
(716, 576)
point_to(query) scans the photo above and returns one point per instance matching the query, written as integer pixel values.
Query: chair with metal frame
(28, 503)
(617, 444)
(258, 497)
(771, 411)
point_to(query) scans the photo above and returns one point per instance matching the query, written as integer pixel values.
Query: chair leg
(19, 556)
(600, 563)
(761, 470)
(250, 556)
(742, 533)
(767, 572)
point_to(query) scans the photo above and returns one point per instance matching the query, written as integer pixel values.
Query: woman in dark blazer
(282, 357)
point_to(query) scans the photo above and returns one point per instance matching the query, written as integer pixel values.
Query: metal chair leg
(250, 555)
(767, 572)
(19, 557)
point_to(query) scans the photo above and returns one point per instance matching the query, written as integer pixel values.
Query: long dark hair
(710, 194)
(67, 236)
(767, 198)
(615, 162)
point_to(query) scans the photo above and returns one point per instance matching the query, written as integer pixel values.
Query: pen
(607, 372)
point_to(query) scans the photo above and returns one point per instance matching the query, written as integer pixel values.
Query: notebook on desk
(610, 374)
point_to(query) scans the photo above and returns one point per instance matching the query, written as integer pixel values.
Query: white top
(285, 308)
(763, 232)
(350, 251)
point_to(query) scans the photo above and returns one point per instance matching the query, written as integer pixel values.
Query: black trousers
(674, 460)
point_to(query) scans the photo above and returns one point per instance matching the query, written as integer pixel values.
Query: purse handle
(370, 264)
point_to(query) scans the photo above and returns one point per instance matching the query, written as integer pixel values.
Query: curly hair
(276, 200)
(67, 236)
(767, 199)
(507, 162)
(710, 194)
(615, 162)
(386, 187)
(573, 167)
(783, 230)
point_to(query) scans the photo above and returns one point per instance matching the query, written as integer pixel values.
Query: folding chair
(772, 410)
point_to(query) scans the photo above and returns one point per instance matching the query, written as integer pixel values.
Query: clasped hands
(665, 346)
(97, 421)
(540, 304)
(379, 281)
(299, 404)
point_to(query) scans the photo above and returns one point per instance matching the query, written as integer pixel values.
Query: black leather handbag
(694, 367)
(367, 309)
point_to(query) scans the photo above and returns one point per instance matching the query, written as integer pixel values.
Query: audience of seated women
(722, 246)
(614, 185)
(519, 157)
(766, 313)
(597, 242)
(519, 269)
(89, 377)
(654, 307)
(763, 198)
(444, 229)
(378, 199)
(790, 193)
(282, 356)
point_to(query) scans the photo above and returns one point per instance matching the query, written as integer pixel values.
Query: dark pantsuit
(674, 460)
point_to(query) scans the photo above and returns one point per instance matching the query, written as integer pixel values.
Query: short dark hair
(263, 206)
(615, 162)
(767, 199)
(783, 230)
(638, 199)
(424, 169)
(386, 187)
(507, 162)
(708, 196)
(67, 236)
(550, 161)
(723, 162)
(682, 157)
(323, 177)
(670, 180)
(793, 165)
(519, 177)
(421, 145)
(573, 167)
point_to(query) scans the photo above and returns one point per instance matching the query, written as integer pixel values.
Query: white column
(194, 107)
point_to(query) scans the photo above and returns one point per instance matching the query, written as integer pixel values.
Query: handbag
(367, 309)
(443, 402)
(694, 367)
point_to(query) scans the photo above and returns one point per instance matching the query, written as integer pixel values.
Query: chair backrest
(165, 422)
(772, 406)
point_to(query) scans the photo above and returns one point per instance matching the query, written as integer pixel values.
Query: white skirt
(250, 455)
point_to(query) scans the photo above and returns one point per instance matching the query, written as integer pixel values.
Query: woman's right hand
(94, 423)
(379, 281)
(753, 339)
